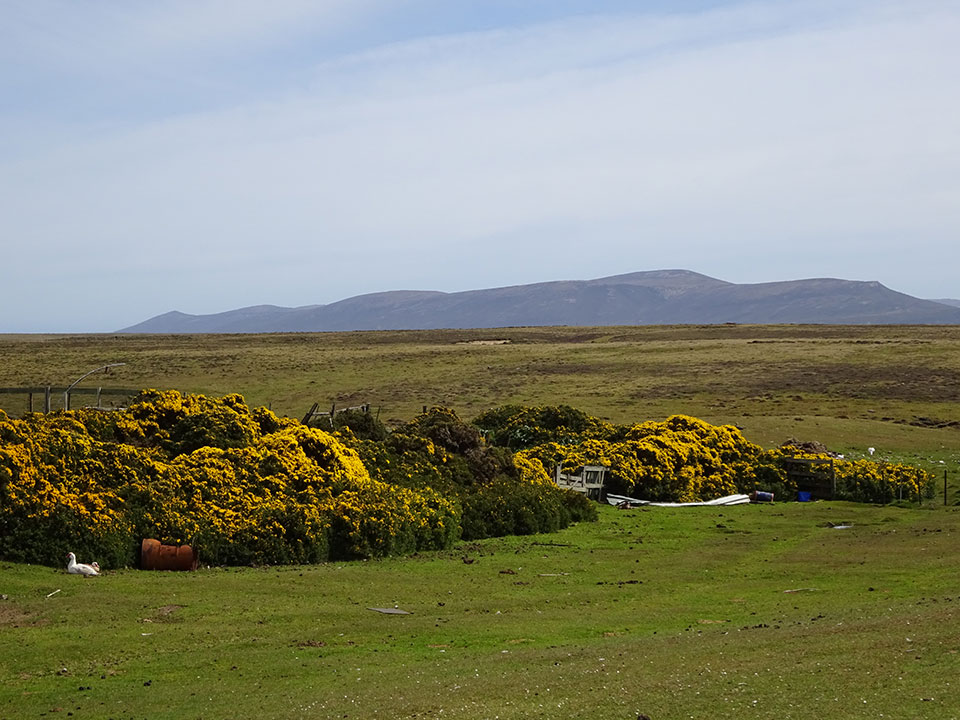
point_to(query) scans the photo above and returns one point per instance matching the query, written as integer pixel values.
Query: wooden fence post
(309, 415)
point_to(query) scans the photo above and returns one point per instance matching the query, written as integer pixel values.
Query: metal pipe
(66, 393)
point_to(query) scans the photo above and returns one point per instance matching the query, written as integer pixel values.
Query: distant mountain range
(659, 297)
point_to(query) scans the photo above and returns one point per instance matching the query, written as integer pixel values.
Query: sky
(208, 155)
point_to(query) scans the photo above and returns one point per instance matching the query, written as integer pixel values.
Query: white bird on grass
(79, 568)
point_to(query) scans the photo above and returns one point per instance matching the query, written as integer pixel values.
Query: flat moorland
(894, 388)
(751, 611)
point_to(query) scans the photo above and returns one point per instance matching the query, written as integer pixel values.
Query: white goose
(79, 568)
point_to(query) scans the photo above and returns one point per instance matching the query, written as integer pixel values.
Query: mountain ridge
(656, 297)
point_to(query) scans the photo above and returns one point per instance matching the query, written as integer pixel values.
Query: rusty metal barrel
(156, 556)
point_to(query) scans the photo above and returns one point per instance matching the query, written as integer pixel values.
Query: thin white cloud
(60, 34)
(751, 142)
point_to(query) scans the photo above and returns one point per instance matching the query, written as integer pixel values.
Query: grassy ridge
(671, 613)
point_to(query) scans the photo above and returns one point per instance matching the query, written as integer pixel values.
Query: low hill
(660, 297)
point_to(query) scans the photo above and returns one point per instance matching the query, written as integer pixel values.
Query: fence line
(48, 392)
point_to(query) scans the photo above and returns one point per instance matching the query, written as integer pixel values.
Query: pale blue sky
(205, 155)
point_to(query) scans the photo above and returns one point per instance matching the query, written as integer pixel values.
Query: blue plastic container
(803, 496)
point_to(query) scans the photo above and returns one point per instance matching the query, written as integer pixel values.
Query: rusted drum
(155, 556)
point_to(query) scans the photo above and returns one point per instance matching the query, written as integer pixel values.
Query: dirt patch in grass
(12, 616)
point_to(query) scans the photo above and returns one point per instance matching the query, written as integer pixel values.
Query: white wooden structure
(587, 479)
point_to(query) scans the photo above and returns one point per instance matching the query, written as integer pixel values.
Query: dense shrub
(247, 487)
(518, 427)
(361, 423)
(686, 459)
(679, 459)
(505, 507)
(498, 493)
(96, 484)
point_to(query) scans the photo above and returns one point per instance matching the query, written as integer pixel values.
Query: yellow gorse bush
(245, 487)
(873, 481)
(681, 458)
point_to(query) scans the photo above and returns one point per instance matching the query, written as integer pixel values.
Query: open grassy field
(750, 611)
(850, 387)
(753, 611)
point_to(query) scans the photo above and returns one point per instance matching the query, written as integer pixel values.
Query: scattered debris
(390, 611)
(623, 502)
(796, 590)
(552, 574)
(49, 596)
(156, 556)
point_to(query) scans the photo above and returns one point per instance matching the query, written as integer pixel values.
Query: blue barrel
(803, 496)
(760, 496)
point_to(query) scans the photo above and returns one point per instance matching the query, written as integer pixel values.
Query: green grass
(674, 613)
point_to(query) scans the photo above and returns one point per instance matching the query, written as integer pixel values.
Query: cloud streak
(752, 142)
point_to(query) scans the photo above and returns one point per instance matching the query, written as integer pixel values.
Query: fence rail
(818, 476)
(57, 397)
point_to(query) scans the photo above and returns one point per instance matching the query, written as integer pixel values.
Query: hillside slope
(660, 297)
